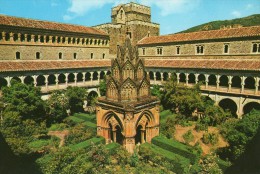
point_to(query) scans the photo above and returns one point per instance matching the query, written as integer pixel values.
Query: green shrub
(88, 143)
(58, 127)
(210, 138)
(188, 137)
(201, 127)
(184, 123)
(176, 148)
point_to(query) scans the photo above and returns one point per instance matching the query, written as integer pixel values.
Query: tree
(24, 99)
(103, 87)
(58, 104)
(156, 91)
(76, 97)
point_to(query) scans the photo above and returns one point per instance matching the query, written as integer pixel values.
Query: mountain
(245, 22)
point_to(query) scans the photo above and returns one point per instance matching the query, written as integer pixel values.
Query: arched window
(60, 56)
(38, 55)
(75, 55)
(226, 48)
(91, 55)
(17, 55)
(104, 55)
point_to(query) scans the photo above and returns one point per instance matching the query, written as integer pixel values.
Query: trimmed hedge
(86, 117)
(86, 144)
(223, 165)
(180, 164)
(176, 148)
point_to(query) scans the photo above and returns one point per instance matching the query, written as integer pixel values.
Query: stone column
(154, 76)
(19, 37)
(35, 80)
(75, 78)
(91, 77)
(196, 78)
(84, 77)
(22, 79)
(46, 81)
(178, 78)
(56, 80)
(50, 39)
(187, 78)
(44, 39)
(114, 136)
(32, 38)
(66, 79)
(169, 75)
(256, 84)
(230, 83)
(25, 37)
(218, 81)
(142, 136)
(8, 79)
(11, 36)
(98, 76)
(3, 36)
(66, 40)
(207, 80)
(243, 78)
(161, 76)
(240, 111)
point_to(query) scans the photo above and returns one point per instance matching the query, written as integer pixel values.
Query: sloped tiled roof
(252, 65)
(47, 25)
(9, 66)
(244, 65)
(203, 35)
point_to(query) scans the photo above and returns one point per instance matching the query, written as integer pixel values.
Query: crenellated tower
(128, 114)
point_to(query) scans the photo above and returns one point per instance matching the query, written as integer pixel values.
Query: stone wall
(238, 47)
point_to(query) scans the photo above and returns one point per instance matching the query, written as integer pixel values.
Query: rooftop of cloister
(243, 32)
(213, 64)
(10, 21)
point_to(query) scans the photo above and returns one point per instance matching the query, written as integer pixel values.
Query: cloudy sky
(172, 15)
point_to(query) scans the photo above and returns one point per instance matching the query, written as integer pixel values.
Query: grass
(87, 143)
(38, 144)
(87, 119)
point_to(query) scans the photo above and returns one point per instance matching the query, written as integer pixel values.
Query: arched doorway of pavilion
(112, 128)
(145, 128)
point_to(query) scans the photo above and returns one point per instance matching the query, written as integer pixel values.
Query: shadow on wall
(12, 164)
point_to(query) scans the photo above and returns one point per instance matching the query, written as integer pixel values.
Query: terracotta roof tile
(203, 35)
(47, 25)
(9, 66)
(253, 65)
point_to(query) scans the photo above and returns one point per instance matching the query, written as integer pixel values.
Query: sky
(172, 15)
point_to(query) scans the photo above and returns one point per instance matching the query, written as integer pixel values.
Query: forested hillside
(252, 20)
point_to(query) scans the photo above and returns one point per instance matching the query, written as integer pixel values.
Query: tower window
(17, 55)
(91, 55)
(256, 48)
(104, 55)
(38, 55)
(129, 34)
(75, 55)
(143, 51)
(226, 48)
(60, 55)
(200, 49)
(159, 50)
(178, 49)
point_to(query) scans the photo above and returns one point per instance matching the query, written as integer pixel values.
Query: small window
(226, 48)
(256, 48)
(159, 50)
(178, 49)
(104, 55)
(129, 34)
(60, 55)
(199, 49)
(17, 55)
(38, 55)
(91, 55)
(75, 55)
(143, 51)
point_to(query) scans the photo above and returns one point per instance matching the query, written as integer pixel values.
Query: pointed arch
(128, 70)
(144, 88)
(145, 119)
(140, 70)
(112, 89)
(128, 90)
(115, 69)
(111, 118)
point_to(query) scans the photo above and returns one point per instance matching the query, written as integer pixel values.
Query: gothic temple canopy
(128, 114)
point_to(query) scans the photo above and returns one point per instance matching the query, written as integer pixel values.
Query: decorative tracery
(112, 91)
(128, 92)
(144, 89)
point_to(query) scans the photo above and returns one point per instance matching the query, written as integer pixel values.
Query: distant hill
(245, 22)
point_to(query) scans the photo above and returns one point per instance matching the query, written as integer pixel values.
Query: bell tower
(128, 114)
